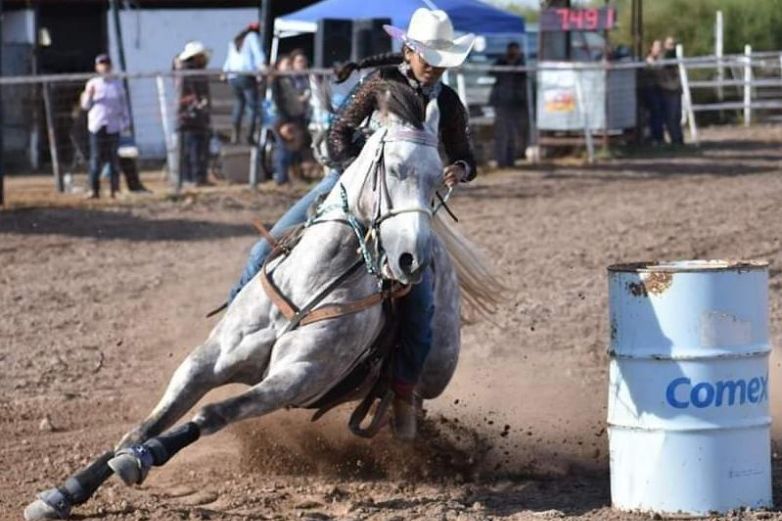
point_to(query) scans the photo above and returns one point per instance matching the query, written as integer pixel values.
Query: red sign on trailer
(566, 19)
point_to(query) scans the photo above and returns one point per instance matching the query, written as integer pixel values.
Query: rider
(429, 48)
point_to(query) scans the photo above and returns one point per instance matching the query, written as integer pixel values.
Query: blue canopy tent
(468, 16)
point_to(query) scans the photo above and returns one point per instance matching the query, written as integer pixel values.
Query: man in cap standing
(104, 99)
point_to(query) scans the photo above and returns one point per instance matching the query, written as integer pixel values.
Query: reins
(371, 232)
(368, 237)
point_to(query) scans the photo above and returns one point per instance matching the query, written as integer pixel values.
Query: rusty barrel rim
(689, 266)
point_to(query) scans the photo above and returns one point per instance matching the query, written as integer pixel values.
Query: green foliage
(530, 14)
(691, 22)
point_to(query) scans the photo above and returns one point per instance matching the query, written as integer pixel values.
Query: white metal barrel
(688, 406)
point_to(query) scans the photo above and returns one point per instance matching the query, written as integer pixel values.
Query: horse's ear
(432, 122)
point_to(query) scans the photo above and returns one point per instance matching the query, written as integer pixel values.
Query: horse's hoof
(38, 509)
(50, 504)
(130, 468)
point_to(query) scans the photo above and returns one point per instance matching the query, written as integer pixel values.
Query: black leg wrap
(165, 446)
(82, 485)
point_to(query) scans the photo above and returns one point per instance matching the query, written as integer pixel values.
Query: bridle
(368, 234)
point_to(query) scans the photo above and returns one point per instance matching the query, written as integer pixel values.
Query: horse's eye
(401, 172)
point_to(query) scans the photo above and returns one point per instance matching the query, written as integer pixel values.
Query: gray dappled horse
(387, 190)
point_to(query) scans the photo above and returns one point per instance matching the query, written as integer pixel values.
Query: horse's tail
(481, 288)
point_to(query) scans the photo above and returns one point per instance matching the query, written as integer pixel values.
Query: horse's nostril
(406, 263)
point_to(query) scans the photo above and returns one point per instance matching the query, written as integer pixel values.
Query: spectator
(291, 120)
(301, 80)
(651, 93)
(246, 57)
(671, 87)
(509, 99)
(194, 114)
(104, 99)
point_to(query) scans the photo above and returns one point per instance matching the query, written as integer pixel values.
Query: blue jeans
(416, 309)
(653, 100)
(195, 155)
(284, 159)
(103, 151)
(416, 312)
(509, 125)
(245, 90)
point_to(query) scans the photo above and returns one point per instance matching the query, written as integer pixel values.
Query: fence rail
(40, 119)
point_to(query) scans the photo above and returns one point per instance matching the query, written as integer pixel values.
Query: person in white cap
(104, 98)
(429, 48)
(193, 114)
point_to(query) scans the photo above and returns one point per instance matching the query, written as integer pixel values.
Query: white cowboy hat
(194, 49)
(430, 34)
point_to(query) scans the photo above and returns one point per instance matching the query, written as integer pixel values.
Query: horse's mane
(482, 290)
(400, 100)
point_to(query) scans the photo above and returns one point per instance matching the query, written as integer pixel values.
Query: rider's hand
(454, 174)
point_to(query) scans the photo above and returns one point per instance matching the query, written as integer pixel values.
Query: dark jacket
(195, 103)
(454, 124)
(286, 100)
(668, 76)
(510, 88)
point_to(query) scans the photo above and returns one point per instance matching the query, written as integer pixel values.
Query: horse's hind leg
(288, 386)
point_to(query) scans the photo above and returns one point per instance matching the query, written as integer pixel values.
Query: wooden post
(35, 93)
(686, 94)
(169, 138)
(122, 63)
(269, 43)
(49, 109)
(461, 87)
(747, 85)
(2, 127)
(585, 117)
(718, 50)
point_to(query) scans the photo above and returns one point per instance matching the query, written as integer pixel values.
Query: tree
(692, 24)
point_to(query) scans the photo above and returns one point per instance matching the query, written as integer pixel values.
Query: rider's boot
(405, 412)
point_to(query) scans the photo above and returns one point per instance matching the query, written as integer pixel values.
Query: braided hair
(343, 71)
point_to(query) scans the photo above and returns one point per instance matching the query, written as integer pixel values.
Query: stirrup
(378, 420)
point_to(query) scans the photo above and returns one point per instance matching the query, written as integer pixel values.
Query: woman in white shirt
(245, 61)
(104, 98)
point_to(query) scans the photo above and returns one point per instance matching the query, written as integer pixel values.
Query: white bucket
(688, 404)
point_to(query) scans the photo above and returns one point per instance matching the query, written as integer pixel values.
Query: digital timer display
(565, 19)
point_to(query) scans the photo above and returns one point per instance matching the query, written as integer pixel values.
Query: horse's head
(392, 183)
(413, 170)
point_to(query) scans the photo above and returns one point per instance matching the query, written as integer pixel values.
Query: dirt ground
(99, 302)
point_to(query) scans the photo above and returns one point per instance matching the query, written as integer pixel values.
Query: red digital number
(577, 18)
(592, 18)
(564, 21)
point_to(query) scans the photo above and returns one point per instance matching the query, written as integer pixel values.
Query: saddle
(369, 380)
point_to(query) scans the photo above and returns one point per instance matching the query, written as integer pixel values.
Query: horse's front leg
(191, 381)
(309, 361)
(220, 360)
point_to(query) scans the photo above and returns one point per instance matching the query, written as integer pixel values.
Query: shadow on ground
(125, 225)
